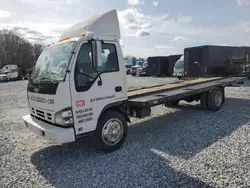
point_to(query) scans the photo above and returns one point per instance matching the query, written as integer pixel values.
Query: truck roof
(101, 26)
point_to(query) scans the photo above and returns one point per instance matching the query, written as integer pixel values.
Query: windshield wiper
(45, 78)
(86, 75)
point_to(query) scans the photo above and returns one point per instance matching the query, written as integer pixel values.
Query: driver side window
(85, 75)
(84, 72)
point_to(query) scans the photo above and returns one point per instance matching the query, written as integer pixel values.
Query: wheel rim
(112, 132)
(218, 98)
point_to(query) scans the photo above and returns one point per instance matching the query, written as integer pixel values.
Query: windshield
(128, 66)
(139, 64)
(52, 63)
(179, 65)
(145, 64)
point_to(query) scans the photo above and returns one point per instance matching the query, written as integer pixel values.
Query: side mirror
(97, 54)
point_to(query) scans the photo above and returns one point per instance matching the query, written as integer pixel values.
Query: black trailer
(207, 61)
(158, 66)
(162, 65)
(209, 91)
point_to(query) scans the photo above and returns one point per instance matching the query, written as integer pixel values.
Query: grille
(41, 114)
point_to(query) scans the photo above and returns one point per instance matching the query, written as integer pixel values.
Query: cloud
(163, 47)
(42, 32)
(132, 21)
(34, 32)
(176, 32)
(156, 3)
(147, 26)
(4, 14)
(132, 26)
(184, 19)
(143, 33)
(132, 16)
(21, 28)
(164, 30)
(134, 2)
(243, 2)
(180, 38)
(165, 17)
(36, 38)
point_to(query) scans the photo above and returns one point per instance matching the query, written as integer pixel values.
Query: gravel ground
(176, 147)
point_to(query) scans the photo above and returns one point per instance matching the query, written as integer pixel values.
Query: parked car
(135, 68)
(4, 78)
(143, 71)
(128, 69)
(179, 68)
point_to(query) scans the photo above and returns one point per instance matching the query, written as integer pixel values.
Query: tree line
(16, 50)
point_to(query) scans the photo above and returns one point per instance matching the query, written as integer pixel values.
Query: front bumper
(49, 132)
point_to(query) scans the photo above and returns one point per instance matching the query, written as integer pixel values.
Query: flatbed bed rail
(178, 91)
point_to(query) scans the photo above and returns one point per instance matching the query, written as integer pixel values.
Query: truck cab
(72, 85)
(179, 68)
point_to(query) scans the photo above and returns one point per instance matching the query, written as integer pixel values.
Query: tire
(105, 143)
(215, 99)
(179, 77)
(133, 74)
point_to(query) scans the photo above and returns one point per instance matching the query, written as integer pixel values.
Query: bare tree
(16, 50)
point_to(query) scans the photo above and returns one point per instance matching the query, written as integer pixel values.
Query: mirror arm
(95, 63)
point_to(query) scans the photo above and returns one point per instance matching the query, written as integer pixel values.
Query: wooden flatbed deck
(173, 85)
(153, 96)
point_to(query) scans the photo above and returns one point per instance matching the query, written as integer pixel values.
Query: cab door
(92, 90)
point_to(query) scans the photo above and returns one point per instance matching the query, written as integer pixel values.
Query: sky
(148, 27)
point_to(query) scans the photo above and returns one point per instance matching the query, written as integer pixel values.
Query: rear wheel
(215, 99)
(111, 131)
(179, 77)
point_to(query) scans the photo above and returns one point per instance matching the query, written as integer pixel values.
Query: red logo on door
(80, 103)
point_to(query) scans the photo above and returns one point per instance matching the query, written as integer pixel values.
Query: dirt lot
(176, 147)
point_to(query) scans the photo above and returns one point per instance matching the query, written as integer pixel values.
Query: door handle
(118, 89)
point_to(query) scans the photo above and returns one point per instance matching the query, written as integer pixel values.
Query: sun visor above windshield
(105, 24)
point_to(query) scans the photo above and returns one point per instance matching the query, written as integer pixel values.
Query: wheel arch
(116, 106)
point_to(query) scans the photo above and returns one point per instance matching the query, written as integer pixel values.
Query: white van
(179, 68)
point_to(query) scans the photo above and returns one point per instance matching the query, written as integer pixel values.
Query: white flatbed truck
(74, 92)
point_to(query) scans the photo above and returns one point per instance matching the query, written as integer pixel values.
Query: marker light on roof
(63, 39)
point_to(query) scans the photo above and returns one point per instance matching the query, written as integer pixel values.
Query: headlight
(64, 117)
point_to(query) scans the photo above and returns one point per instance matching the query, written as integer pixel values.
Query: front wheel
(111, 131)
